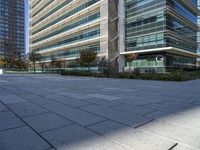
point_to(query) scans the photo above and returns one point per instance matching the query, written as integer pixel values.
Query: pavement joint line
(96, 123)
(193, 103)
(173, 146)
(28, 125)
(4, 111)
(149, 121)
(57, 128)
(144, 115)
(35, 114)
(82, 105)
(109, 118)
(120, 103)
(13, 128)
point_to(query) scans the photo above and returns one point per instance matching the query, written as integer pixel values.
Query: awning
(171, 50)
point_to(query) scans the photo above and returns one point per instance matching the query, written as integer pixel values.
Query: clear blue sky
(27, 24)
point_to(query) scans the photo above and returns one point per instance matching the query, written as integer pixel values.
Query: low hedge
(173, 76)
(81, 73)
(156, 76)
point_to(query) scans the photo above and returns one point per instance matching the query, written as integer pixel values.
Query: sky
(27, 24)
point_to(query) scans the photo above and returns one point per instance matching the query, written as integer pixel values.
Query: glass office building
(63, 28)
(162, 32)
(59, 29)
(12, 24)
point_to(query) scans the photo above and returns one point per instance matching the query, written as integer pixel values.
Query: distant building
(162, 32)
(12, 29)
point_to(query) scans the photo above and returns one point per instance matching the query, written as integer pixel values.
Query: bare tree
(53, 61)
(34, 57)
(58, 64)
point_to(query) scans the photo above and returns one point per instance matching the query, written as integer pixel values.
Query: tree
(130, 58)
(53, 61)
(2, 62)
(19, 64)
(58, 64)
(87, 57)
(42, 65)
(34, 57)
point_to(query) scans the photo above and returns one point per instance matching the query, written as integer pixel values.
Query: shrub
(173, 76)
(123, 75)
(75, 73)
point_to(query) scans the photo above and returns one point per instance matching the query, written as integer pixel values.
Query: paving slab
(37, 99)
(16, 90)
(46, 121)
(131, 138)
(76, 115)
(11, 99)
(184, 147)
(103, 96)
(177, 133)
(67, 100)
(8, 121)
(192, 112)
(103, 102)
(138, 110)
(170, 106)
(73, 95)
(116, 115)
(78, 138)
(26, 109)
(118, 89)
(183, 120)
(21, 139)
(3, 108)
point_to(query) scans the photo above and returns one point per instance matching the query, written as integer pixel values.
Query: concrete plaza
(52, 112)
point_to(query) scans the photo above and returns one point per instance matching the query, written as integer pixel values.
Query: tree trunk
(52, 69)
(89, 67)
(64, 64)
(34, 67)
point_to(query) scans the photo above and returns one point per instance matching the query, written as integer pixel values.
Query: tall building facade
(198, 33)
(12, 33)
(162, 32)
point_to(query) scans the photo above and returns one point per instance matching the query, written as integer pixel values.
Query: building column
(104, 28)
(121, 30)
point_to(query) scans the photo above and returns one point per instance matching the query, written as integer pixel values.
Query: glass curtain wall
(145, 24)
(12, 37)
(154, 24)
